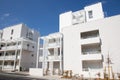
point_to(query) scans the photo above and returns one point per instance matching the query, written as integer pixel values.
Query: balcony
(91, 56)
(24, 47)
(52, 45)
(11, 47)
(92, 66)
(53, 58)
(11, 57)
(8, 67)
(1, 57)
(91, 40)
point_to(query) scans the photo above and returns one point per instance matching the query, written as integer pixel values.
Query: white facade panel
(90, 41)
(91, 57)
(12, 32)
(94, 12)
(65, 19)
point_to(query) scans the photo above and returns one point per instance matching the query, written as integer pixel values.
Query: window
(12, 63)
(32, 46)
(32, 55)
(28, 45)
(10, 37)
(12, 31)
(90, 14)
(29, 35)
(6, 63)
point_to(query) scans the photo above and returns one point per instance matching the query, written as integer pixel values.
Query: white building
(88, 38)
(50, 56)
(18, 48)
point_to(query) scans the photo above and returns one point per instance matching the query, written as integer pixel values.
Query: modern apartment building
(85, 40)
(88, 40)
(18, 48)
(51, 53)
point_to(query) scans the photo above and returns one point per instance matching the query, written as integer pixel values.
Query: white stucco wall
(96, 10)
(109, 31)
(65, 19)
(16, 32)
(36, 72)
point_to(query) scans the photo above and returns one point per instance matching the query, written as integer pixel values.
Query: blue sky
(43, 15)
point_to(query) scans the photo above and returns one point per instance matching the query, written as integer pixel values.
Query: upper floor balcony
(53, 58)
(11, 47)
(1, 57)
(18, 47)
(52, 45)
(9, 57)
(91, 56)
(92, 40)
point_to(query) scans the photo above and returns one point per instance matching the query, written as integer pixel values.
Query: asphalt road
(4, 76)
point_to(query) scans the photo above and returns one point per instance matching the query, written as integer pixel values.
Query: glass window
(90, 14)
(12, 31)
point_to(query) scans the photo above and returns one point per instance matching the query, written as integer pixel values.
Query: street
(4, 76)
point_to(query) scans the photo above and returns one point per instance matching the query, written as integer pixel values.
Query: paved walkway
(54, 77)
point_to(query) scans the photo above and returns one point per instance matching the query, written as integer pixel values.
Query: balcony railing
(1, 57)
(53, 58)
(11, 47)
(85, 69)
(17, 47)
(92, 69)
(90, 40)
(11, 57)
(53, 44)
(97, 56)
(8, 66)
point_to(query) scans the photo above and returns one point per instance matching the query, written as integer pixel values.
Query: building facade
(88, 40)
(18, 48)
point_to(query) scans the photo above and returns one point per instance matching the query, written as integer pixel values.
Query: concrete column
(15, 56)
(38, 50)
(44, 62)
(61, 66)
(20, 54)
(4, 56)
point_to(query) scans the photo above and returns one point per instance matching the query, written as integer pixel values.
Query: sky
(43, 15)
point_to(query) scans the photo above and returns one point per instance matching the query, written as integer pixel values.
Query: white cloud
(3, 16)
(6, 14)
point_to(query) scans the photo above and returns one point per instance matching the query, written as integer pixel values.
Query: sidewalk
(26, 74)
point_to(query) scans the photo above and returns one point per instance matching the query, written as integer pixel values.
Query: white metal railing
(90, 40)
(11, 47)
(1, 57)
(53, 57)
(10, 57)
(53, 44)
(8, 66)
(91, 69)
(85, 69)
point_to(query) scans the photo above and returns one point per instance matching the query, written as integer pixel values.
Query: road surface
(5, 76)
